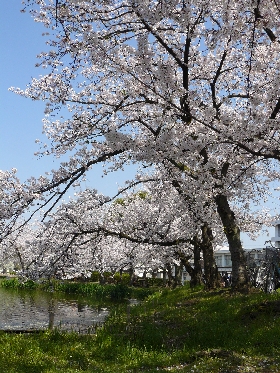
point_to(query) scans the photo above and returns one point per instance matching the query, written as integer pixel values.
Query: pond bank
(115, 292)
(177, 330)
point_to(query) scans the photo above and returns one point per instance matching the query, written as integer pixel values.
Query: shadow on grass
(178, 330)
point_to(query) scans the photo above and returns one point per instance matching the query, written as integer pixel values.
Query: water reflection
(22, 310)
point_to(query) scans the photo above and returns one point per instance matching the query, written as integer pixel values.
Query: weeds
(15, 283)
(111, 291)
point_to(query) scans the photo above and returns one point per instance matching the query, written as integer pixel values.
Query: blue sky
(21, 119)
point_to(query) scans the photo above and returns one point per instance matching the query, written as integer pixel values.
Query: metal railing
(264, 268)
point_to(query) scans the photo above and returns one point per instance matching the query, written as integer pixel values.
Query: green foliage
(178, 330)
(121, 279)
(10, 283)
(107, 274)
(111, 291)
(141, 293)
(95, 275)
(125, 278)
(142, 194)
(155, 281)
(117, 278)
(29, 284)
(119, 201)
(119, 292)
(15, 283)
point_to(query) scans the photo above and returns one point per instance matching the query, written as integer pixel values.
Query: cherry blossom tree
(144, 230)
(191, 87)
(15, 197)
(17, 247)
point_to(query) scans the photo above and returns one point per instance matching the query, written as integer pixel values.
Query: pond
(22, 310)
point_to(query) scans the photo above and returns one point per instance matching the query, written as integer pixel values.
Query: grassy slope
(174, 330)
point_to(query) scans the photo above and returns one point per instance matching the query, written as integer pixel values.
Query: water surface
(22, 310)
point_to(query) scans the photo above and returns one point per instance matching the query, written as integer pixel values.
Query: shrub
(158, 281)
(28, 284)
(14, 283)
(119, 291)
(117, 278)
(10, 283)
(155, 281)
(125, 278)
(141, 293)
(107, 274)
(95, 276)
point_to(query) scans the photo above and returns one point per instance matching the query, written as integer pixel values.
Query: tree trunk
(196, 271)
(131, 275)
(154, 273)
(232, 231)
(19, 257)
(169, 274)
(144, 277)
(131, 270)
(211, 274)
(178, 274)
(164, 276)
(102, 279)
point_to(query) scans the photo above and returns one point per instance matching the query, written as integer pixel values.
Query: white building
(223, 258)
(276, 239)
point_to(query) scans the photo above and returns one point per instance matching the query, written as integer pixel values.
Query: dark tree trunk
(211, 274)
(154, 273)
(131, 270)
(232, 231)
(164, 276)
(196, 277)
(196, 271)
(169, 274)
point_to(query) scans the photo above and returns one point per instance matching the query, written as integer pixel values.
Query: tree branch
(276, 110)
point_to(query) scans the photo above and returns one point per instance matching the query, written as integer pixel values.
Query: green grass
(172, 331)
